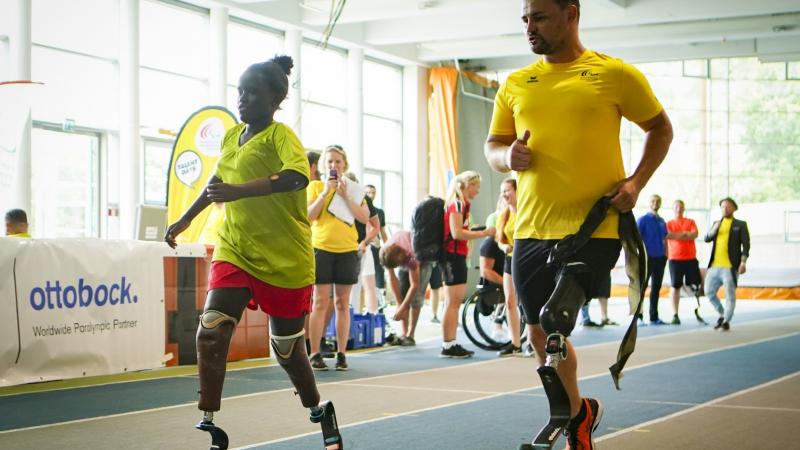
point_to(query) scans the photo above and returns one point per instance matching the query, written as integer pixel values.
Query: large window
(323, 113)
(157, 155)
(86, 26)
(174, 64)
(383, 136)
(65, 188)
(737, 133)
(249, 44)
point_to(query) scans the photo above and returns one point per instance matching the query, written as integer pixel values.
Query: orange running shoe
(579, 435)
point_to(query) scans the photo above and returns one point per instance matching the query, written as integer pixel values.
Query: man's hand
(742, 268)
(518, 155)
(624, 195)
(223, 192)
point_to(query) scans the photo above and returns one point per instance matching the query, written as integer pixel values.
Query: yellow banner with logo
(194, 157)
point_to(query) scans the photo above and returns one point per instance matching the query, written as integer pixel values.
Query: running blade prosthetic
(326, 417)
(219, 439)
(559, 411)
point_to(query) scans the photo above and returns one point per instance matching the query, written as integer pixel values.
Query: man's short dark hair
(370, 186)
(728, 199)
(313, 157)
(16, 217)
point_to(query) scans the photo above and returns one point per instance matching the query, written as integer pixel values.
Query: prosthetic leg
(213, 339)
(558, 317)
(696, 291)
(290, 353)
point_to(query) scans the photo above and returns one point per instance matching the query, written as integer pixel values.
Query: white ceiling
(490, 32)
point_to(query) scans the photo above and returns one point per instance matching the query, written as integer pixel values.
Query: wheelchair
(484, 319)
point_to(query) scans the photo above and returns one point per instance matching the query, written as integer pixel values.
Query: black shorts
(507, 265)
(337, 268)
(436, 277)
(686, 271)
(604, 287)
(535, 279)
(454, 269)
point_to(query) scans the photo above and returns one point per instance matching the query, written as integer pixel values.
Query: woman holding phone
(338, 263)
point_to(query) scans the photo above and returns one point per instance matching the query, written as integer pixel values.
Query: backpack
(427, 229)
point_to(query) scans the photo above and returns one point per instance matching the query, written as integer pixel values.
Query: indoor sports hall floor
(686, 387)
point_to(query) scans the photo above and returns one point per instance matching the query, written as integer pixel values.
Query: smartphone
(332, 175)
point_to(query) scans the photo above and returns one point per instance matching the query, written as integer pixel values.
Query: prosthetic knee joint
(213, 339)
(290, 352)
(560, 313)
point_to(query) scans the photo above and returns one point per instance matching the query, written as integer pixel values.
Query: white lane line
(378, 419)
(518, 391)
(420, 388)
(381, 350)
(697, 407)
(91, 419)
(746, 407)
(163, 408)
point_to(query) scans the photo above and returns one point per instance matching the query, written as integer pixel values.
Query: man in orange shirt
(683, 266)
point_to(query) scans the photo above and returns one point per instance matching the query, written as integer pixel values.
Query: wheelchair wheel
(493, 332)
(472, 322)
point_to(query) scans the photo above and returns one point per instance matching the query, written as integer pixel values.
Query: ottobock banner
(79, 307)
(194, 157)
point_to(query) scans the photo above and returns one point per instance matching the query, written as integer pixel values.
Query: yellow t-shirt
(328, 232)
(269, 236)
(508, 230)
(573, 112)
(721, 258)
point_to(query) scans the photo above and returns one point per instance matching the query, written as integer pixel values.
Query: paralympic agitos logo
(55, 295)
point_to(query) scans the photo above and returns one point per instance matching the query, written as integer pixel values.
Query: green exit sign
(68, 125)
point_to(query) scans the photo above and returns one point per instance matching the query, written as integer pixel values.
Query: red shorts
(276, 301)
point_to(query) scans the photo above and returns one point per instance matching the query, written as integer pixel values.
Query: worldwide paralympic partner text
(54, 295)
(84, 328)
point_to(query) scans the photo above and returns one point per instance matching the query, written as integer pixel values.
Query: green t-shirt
(269, 236)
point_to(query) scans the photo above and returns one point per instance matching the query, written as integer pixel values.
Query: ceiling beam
(781, 48)
(655, 35)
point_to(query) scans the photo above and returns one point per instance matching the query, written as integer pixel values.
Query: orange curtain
(442, 142)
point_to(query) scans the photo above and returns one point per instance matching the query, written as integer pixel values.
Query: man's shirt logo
(533, 79)
(588, 75)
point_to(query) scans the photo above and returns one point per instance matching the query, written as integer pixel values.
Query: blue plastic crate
(360, 333)
(377, 335)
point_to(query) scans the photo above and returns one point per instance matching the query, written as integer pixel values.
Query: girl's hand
(174, 230)
(223, 192)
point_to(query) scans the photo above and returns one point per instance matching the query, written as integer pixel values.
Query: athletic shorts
(436, 276)
(454, 269)
(604, 287)
(688, 270)
(337, 268)
(425, 269)
(276, 301)
(535, 280)
(507, 265)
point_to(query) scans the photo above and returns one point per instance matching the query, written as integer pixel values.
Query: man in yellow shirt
(729, 255)
(17, 224)
(556, 122)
